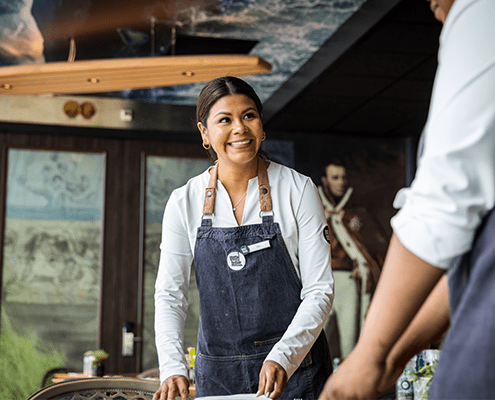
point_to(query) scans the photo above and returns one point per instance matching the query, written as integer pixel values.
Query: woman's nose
(239, 126)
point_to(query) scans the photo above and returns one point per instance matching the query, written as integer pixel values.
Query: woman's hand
(176, 385)
(273, 379)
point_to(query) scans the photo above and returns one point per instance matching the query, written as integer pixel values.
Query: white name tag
(255, 247)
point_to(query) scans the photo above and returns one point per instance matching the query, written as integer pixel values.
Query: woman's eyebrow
(228, 113)
(223, 113)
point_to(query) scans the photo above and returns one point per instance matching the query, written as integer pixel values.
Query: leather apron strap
(211, 192)
(263, 185)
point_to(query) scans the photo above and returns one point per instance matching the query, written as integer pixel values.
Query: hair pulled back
(220, 87)
(217, 88)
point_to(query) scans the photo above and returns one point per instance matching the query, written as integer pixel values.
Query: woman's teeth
(240, 143)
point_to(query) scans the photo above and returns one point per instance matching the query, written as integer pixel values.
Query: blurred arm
(427, 327)
(405, 283)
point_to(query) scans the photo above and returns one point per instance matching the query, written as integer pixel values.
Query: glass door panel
(52, 248)
(163, 175)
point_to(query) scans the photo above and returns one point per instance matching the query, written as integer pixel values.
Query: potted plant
(422, 380)
(98, 356)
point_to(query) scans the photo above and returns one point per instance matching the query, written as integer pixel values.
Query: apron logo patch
(236, 260)
(326, 234)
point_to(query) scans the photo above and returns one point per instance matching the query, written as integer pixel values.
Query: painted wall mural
(51, 265)
(285, 33)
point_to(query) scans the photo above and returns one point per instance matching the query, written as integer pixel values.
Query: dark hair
(220, 87)
(339, 162)
(217, 88)
(336, 161)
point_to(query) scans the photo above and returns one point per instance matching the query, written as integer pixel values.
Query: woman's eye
(249, 115)
(224, 120)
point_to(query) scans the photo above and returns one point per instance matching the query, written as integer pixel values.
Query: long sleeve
(171, 291)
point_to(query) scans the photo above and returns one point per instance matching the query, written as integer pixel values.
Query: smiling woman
(229, 117)
(262, 264)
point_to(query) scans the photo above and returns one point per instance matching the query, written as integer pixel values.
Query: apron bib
(249, 293)
(466, 369)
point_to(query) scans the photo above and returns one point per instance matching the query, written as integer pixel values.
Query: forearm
(404, 284)
(427, 327)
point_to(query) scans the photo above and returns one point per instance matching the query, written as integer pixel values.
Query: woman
(256, 233)
(447, 222)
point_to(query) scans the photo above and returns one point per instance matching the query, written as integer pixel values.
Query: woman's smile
(243, 143)
(234, 130)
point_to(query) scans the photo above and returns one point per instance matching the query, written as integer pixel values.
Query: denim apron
(466, 369)
(249, 292)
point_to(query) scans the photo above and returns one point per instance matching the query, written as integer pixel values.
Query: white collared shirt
(454, 187)
(297, 209)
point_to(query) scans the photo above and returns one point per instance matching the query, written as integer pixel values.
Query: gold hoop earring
(206, 146)
(263, 137)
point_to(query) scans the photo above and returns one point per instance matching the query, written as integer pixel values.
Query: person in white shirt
(445, 223)
(257, 235)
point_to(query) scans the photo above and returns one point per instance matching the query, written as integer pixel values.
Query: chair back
(150, 373)
(99, 388)
(47, 378)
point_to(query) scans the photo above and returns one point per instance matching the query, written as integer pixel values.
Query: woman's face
(441, 8)
(234, 129)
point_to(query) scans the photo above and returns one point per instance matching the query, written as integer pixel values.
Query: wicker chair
(152, 373)
(99, 389)
(47, 378)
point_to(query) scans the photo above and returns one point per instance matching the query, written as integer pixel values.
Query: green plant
(99, 356)
(23, 362)
(427, 372)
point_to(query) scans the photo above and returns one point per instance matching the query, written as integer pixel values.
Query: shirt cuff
(168, 372)
(422, 239)
(289, 367)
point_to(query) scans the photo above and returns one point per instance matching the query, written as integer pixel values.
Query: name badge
(236, 261)
(255, 247)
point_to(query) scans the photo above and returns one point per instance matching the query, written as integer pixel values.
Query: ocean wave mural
(286, 33)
